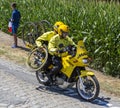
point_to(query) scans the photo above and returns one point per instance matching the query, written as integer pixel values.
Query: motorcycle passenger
(61, 39)
(45, 38)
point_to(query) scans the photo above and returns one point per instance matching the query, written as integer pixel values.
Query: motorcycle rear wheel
(42, 77)
(91, 88)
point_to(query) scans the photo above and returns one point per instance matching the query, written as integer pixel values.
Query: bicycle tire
(35, 61)
(29, 32)
(40, 28)
(47, 25)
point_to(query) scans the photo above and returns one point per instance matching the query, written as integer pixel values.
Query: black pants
(57, 65)
(48, 62)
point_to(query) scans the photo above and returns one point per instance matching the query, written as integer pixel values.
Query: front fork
(81, 82)
(80, 79)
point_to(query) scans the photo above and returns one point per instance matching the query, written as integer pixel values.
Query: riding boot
(50, 80)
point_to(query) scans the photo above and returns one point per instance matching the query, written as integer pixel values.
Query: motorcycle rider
(56, 46)
(45, 38)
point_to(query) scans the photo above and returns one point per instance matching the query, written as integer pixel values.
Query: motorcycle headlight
(85, 60)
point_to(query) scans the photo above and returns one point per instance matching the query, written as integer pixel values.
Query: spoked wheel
(40, 28)
(37, 58)
(42, 77)
(46, 25)
(29, 34)
(88, 88)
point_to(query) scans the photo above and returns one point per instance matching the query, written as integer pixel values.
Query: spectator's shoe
(14, 46)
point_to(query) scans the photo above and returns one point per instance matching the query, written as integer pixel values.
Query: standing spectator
(15, 19)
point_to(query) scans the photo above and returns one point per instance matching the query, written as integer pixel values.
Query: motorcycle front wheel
(88, 88)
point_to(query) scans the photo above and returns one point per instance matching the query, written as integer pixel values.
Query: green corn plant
(98, 23)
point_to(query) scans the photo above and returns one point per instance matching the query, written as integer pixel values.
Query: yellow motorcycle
(74, 61)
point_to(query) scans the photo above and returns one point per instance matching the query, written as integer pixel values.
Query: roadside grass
(2, 52)
(108, 87)
(15, 55)
(109, 84)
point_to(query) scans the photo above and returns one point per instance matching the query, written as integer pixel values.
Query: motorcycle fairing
(68, 66)
(81, 54)
(69, 62)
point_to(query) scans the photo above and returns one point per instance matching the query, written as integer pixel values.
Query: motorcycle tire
(42, 78)
(91, 88)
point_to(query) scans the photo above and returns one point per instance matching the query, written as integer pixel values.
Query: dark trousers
(48, 62)
(57, 65)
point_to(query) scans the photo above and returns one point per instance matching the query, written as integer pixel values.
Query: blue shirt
(15, 17)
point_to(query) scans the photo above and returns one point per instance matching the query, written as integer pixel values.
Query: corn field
(97, 23)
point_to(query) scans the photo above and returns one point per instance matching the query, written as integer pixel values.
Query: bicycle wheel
(40, 28)
(29, 34)
(37, 58)
(47, 25)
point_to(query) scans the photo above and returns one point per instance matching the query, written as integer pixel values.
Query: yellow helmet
(63, 28)
(57, 24)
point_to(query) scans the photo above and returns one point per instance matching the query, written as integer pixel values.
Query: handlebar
(71, 49)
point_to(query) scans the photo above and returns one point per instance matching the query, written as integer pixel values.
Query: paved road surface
(20, 89)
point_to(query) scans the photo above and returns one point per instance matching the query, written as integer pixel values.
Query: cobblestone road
(18, 90)
(15, 93)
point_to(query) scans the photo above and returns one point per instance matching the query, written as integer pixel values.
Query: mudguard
(86, 73)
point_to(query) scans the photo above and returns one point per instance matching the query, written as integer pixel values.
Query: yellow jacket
(44, 37)
(55, 41)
